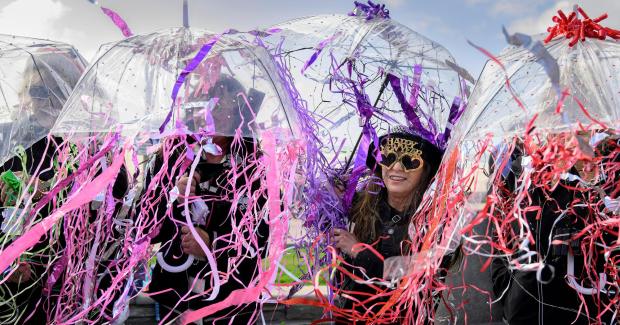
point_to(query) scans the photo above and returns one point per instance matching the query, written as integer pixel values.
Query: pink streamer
(79, 198)
(118, 21)
(278, 222)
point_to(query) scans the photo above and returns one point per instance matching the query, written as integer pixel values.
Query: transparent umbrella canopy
(589, 76)
(130, 86)
(36, 78)
(319, 51)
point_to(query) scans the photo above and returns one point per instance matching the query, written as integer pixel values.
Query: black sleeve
(500, 275)
(370, 262)
(121, 184)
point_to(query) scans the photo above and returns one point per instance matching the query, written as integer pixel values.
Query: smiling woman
(380, 218)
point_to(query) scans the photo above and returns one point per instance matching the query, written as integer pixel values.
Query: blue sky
(449, 22)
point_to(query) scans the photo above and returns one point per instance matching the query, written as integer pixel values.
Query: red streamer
(576, 29)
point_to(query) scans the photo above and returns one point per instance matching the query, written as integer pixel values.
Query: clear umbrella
(543, 117)
(130, 86)
(318, 51)
(587, 73)
(36, 78)
(180, 85)
(361, 75)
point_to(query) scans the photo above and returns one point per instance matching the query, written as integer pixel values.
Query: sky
(451, 23)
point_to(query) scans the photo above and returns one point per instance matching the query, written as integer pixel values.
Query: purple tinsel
(370, 10)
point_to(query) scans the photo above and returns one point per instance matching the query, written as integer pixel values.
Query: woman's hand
(345, 241)
(22, 274)
(190, 244)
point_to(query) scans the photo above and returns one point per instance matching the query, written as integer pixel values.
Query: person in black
(380, 216)
(542, 295)
(20, 293)
(47, 82)
(214, 183)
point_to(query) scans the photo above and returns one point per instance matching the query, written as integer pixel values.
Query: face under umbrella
(36, 78)
(131, 83)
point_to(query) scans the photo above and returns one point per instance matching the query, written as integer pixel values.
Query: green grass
(294, 264)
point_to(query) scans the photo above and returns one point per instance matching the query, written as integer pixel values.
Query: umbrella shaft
(346, 167)
(185, 13)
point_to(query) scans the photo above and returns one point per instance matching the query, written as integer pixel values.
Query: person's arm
(360, 255)
(370, 262)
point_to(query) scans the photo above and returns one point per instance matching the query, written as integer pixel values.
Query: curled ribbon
(576, 29)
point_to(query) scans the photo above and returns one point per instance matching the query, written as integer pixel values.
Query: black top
(214, 189)
(392, 233)
(393, 240)
(25, 294)
(529, 301)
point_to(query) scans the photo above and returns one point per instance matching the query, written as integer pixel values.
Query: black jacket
(392, 231)
(215, 191)
(22, 297)
(550, 301)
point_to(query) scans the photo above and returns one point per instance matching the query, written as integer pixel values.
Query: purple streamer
(359, 166)
(409, 110)
(371, 10)
(456, 110)
(366, 111)
(57, 270)
(318, 49)
(415, 89)
(191, 66)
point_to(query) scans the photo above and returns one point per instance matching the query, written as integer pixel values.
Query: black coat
(219, 222)
(552, 301)
(25, 295)
(392, 231)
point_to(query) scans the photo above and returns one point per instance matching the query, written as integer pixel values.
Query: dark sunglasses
(40, 92)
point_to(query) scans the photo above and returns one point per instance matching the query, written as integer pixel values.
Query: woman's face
(401, 166)
(399, 182)
(225, 114)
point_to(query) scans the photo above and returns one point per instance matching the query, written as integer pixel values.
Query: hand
(184, 181)
(340, 184)
(22, 274)
(345, 241)
(42, 188)
(190, 244)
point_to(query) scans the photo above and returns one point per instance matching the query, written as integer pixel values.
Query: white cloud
(78, 23)
(538, 24)
(34, 18)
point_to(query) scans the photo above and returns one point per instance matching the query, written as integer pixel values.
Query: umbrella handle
(174, 269)
(570, 277)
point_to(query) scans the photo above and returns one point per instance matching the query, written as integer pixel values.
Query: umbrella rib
(277, 92)
(502, 86)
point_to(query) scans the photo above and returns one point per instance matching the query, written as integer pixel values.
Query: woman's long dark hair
(365, 210)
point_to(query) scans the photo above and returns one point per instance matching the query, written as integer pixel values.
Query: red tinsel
(574, 28)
